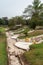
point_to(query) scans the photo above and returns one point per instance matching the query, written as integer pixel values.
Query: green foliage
(2, 30)
(3, 21)
(36, 46)
(35, 12)
(26, 31)
(3, 52)
(35, 55)
(18, 20)
(32, 24)
(11, 23)
(34, 33)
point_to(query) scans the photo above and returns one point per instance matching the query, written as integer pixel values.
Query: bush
(26, 31)
(32, 24)
(34, 46)
(35, 55)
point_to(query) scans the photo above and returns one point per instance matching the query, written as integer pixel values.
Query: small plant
(26, 32)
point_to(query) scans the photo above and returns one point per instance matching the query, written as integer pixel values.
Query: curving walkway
(13, 51)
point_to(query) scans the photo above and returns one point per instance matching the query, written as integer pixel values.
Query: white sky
(11, 8)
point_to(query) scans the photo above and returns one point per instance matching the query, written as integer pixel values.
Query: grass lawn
(3, 52)
(34, 33)
(35, 55)
(2, 29)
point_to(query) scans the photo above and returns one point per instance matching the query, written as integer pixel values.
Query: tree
(11, 23)
(0, 21)
(20, 20)
(16, 21)
(34, 11)
(5, 20)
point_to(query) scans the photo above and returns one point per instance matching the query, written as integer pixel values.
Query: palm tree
(34, 10)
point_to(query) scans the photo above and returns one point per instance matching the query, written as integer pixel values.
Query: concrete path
(13, 51)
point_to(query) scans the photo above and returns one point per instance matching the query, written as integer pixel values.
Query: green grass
(35, 33)
(2, 29)
(21, 30)
(3, 52)
(36, 46)
(35, 55)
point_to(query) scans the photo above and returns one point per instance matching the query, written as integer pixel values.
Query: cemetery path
(13, 52)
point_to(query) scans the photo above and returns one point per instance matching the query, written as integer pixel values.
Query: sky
(11, 8)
